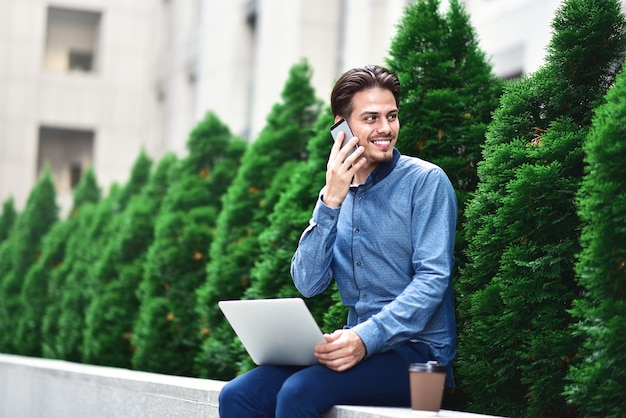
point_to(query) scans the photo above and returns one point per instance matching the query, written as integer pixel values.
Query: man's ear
(338, 118)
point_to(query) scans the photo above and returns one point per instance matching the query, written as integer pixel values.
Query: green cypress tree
(87, 191)
(515, 343)
(7, 219)
(166, 334)
(448, 95)
(25, 241)
(34, 297)
(247, 205)
(7, 222)
(80, 285)
(111, 314)
(597, 379)
(270, 276)
(75, 252)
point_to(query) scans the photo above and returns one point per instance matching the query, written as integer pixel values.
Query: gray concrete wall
(37, 388)
(40, 388)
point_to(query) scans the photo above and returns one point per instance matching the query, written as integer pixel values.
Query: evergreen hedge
(24, 245)
(596, 380)
(247, 204)
(111, 313)
(449, 93)
(81, 285)
(35, 296)
(515, 341)
(166, 335)
(7, 219)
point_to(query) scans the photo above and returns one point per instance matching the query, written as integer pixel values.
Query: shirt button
(359, 197)
(356, 230)
(363, 296)
(358, 264)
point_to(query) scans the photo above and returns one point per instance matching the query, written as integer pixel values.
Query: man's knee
(234, 401)
(226, 393)
(292, 389)
(298, 397)
(227, 399)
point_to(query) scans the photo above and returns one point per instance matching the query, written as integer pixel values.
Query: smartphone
(342, 126)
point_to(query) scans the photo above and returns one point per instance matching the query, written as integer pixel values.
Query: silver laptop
(278, 332)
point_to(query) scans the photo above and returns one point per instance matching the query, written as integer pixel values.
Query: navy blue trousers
(299, 392)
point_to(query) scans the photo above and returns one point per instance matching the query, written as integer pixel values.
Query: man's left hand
(342, 350)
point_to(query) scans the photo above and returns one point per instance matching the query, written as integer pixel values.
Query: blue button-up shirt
(389, 246)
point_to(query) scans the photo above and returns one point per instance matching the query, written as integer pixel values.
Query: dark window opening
(80, 61)
(76, 172)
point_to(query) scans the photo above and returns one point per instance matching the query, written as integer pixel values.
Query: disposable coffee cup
(427, 382)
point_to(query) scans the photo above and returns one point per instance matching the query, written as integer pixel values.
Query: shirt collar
(383, 169)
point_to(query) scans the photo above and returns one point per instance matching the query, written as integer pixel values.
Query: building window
(67, 153)
(72, 40)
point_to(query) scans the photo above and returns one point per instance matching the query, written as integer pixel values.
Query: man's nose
(383, 126)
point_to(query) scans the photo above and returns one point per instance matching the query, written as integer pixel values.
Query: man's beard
(387, 156)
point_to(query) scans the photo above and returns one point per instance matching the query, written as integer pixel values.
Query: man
(383, 229)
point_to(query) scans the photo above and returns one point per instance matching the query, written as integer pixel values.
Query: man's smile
(382, 143)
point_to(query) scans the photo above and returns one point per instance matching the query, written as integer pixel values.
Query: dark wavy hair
(358, 79)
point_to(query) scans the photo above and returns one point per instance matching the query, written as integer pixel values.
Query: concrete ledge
(35, 388)
(32, 387)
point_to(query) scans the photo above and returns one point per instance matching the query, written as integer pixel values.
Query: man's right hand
(341, 169)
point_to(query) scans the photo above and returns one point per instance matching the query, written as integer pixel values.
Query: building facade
(93, 82)
(76, 90)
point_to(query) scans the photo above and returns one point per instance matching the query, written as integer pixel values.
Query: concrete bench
(35, 388)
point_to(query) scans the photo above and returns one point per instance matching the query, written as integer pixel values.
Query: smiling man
(383, 229)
